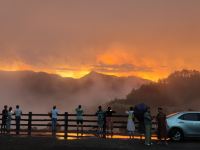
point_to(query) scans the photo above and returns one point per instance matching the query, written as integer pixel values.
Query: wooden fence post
(29, 123)
(66, 125)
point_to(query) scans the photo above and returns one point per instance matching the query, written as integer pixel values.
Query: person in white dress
(130, 123)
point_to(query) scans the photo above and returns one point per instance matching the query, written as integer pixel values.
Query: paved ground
(35, 143)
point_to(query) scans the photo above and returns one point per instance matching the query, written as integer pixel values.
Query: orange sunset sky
(146, 38)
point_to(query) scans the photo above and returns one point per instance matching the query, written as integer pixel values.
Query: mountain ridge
(36, 90)
(91, 73)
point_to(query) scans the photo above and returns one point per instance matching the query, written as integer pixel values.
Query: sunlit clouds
(142, 38)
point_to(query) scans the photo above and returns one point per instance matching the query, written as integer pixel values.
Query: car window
(190, 117)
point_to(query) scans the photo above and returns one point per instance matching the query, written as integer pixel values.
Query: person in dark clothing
(139, 111)
(4, 118)
(104, 126)
(109, 121)
(161, 126)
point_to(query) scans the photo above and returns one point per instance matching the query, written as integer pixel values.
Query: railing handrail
(70, 114)
(30, 121)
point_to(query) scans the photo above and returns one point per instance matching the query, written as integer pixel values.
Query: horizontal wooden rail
(38, 123)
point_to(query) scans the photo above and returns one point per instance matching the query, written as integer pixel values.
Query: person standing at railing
(130, 123)
(161, 126)
(8, 121)
(54, 117)
(79, 118)
(4, 118)
(109, 121)
(148, 126)
(100, 121)
(18, 113)
(139, 111)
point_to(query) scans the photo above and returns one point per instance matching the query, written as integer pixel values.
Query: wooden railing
(66, 123)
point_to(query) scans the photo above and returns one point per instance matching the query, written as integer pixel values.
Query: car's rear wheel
(176, 135)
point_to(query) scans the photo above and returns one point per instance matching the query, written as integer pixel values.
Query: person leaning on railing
(8, 121)
(54, 116)
(79, 118)
(18, 113)
(109, 121)
(4, 118)
(100, 121)
(130, 123)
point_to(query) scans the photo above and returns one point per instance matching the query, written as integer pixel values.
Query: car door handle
(181, 122)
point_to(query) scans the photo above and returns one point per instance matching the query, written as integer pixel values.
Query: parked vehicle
(183, 125)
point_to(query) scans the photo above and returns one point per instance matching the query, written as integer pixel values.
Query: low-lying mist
(38, 92)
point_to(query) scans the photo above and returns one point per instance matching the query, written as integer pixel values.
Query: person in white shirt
(54, 116)
(79, 118)
(18, 113)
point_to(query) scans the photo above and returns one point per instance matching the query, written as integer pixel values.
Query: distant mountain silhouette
(180, 91)
(38, 91)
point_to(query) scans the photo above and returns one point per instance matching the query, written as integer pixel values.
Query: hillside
(180, 91)
(38, 91)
